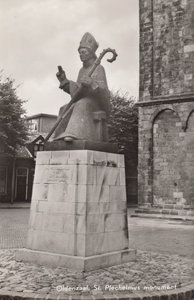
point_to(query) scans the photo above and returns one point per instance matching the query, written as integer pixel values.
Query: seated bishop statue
(92, 104)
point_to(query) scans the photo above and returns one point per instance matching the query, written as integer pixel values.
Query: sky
(38, 35)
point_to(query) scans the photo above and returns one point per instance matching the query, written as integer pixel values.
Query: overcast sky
(38, 35)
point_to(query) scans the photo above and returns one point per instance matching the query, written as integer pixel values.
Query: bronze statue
(85, 117)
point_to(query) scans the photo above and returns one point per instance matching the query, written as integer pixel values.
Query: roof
(41, 115)
(36, 137)
(23, 152)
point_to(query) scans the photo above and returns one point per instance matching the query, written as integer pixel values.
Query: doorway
(21, 191)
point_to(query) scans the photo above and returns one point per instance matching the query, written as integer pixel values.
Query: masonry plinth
(78, 215)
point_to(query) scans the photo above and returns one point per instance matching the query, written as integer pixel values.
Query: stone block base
(79, 209)
(76, 262)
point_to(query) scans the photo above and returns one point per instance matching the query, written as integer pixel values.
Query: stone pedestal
(78, 213)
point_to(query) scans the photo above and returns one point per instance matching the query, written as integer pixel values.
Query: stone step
(164, 216)
(15, 205)
(173, 206)
(184, 212)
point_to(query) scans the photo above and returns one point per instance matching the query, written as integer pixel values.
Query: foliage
(13, 132)
(123, 123)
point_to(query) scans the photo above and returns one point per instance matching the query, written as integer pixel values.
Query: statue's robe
(79, 123)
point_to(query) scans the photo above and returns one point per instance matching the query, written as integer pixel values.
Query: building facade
(40, 124)
(166, 105)
(16, 176)
(17, 173)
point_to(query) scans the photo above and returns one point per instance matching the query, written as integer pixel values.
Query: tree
(13, 132)
(123, 123)
(123, 130)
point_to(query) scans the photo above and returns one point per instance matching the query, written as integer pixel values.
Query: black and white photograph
(97, 149)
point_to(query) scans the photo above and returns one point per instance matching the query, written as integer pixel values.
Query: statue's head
(87, 47)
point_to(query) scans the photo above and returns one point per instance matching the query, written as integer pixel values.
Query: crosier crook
(71, 103)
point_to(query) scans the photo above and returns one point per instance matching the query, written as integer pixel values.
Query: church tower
(166, 106)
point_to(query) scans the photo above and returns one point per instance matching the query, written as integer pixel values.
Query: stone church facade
(166, 106)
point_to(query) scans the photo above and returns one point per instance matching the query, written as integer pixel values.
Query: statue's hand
(86, 81)
(61, 76)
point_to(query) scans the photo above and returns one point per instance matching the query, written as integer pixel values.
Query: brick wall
(166, 154)
(166, 106)
(166, 48)
(167, 136)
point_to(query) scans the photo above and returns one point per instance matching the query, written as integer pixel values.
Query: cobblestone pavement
(13, 227)
(163, 236)
(150, 269)
(164, 260)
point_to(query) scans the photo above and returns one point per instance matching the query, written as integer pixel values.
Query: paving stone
(153, 268)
